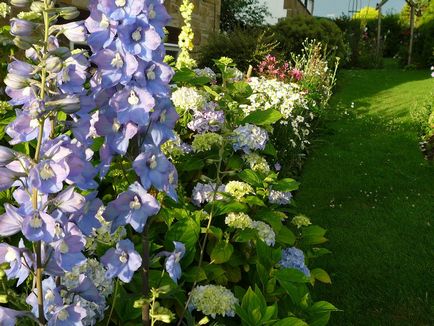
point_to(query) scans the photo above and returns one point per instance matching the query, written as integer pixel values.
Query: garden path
(368, 184)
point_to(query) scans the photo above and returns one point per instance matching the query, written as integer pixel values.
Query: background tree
(242, 13)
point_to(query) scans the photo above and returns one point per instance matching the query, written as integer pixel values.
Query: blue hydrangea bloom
(294, 258)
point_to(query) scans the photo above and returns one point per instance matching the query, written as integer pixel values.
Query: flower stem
(38, 249)
(113, 303)
(146, 319)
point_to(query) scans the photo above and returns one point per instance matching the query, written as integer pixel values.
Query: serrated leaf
(251, 177)
(286, 185)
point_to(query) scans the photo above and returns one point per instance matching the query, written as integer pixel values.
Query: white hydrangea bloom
(238, 189)
(213, 300)
(188, 98)
(257, 163)
(265, 232)
(238, 221)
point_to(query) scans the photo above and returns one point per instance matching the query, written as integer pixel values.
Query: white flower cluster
(265, 232)
(301, 220)
(213, 300)
(238, 189)
(188, 98)
(175, 148)
(287, 98)
(243, 221)
(279, 197)
(238, 221)
(257, 163)
(96, 273)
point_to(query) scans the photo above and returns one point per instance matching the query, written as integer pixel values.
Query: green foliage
(292, 32)
(242, 13)
(245, 46)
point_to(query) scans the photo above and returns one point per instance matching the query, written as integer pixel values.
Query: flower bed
(132, 210)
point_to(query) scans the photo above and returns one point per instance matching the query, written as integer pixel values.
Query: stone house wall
(206, 16)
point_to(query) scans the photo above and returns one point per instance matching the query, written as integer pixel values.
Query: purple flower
(73, 75)
(67, 252)
(87, 290)
(69, 201)
(172, 264)
(7, 178)
(131, 207)
(139, 38)
(117, 136)
(71, 315)
(116, 66)
(86, 219)
(19, 74)
(133, 104)
(154, 76)
(39, 226)
(81, 171)
(157, 15)
(7, 155)
(152, 167)
(121, 9)
(122, 261)
(21, 27)
(11, 221)
(25, 128)
(163, 120)
(52, 298)
(75, 31)
(48, 176)
(19, 260)
(102, 30)
(8, 317)
(207, 120)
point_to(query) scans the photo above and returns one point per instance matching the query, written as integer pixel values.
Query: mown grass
(368, 184)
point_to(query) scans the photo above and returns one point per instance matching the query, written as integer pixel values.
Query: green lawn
(368, 184)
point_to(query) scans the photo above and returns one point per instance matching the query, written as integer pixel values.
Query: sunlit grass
(368, 184)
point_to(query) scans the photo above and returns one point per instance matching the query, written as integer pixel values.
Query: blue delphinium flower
(172, 264)
(131, 207)
(19, 260)
(122, 261)
(68, 315)
(294, 258)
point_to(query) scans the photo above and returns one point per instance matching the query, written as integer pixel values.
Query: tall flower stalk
(186, 37)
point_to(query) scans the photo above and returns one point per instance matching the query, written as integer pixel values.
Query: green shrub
(245, 46)
(292, 32)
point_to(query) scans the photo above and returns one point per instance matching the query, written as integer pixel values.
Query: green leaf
(291, 321)
(190, 163)
(286, 185)
(240, 90)
(211, 91)
(222, 208)
(245, 235)
(291, 275)
(222, 252)
(262, 118)
(321, 275)
(313, 235)
(186, 231)
(270, 150)
(285, 236)
(253, 201)
(322, 307)
(194, 274)
(183, 75)
(251, 177)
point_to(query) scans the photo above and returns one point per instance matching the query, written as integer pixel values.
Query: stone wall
(206, 16)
